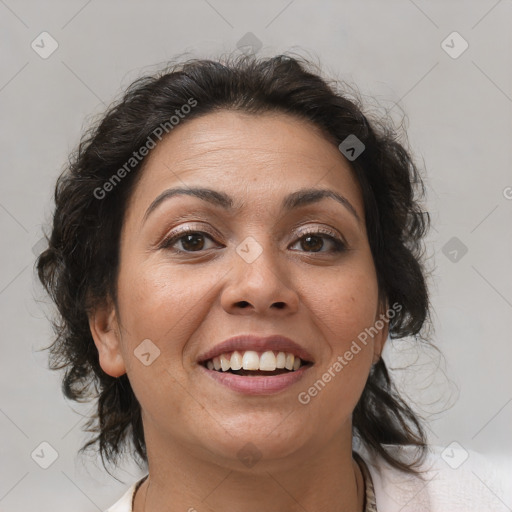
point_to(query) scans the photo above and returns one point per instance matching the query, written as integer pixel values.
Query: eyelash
(339, 245)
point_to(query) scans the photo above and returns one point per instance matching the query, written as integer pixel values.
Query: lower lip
(258, 385)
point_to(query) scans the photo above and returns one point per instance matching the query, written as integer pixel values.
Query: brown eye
(191, 241)
(311, 242)
(194, 242)
(315, 242)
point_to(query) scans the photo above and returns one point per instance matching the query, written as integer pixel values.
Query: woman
(231, 248)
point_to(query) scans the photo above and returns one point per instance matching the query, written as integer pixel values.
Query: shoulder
(450, 480)
(124, 504)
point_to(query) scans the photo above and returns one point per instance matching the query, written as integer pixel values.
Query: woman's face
(249, 269)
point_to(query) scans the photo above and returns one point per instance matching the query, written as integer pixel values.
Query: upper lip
(244, 342)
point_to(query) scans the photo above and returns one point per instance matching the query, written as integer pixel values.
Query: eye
(194, 241)
(313, 241)
(191, 241)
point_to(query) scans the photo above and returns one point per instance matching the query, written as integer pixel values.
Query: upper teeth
(252, 360)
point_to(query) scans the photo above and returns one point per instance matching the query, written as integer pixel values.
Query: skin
(187, 303)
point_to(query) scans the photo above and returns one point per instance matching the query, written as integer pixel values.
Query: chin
(257, 445)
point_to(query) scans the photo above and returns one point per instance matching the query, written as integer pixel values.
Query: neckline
(370, 504)
(137, 485)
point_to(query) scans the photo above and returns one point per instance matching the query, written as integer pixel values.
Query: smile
(250, 361)
(255, 373)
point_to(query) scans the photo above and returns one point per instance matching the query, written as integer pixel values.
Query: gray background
(459, 127)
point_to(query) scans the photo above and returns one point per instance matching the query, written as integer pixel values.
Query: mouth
(256, 373)
(253, 363)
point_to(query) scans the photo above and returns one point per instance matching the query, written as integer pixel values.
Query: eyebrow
(300, 198)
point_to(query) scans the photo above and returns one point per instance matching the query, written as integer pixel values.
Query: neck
(325, 480)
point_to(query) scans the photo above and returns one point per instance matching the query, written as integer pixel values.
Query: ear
(380, 339)
(106, 335)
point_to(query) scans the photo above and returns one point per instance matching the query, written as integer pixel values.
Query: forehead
(252, 158)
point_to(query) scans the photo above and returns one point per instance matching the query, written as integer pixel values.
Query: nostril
(279, 305)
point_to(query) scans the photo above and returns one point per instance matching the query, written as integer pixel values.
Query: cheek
(163, 303)
(344, 305)
(157, 306)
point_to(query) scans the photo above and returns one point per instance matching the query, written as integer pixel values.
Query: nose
(260, 286)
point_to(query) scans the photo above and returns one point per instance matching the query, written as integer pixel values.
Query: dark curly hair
(80, 266)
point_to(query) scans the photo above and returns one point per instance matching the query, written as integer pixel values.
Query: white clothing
(477, 485)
